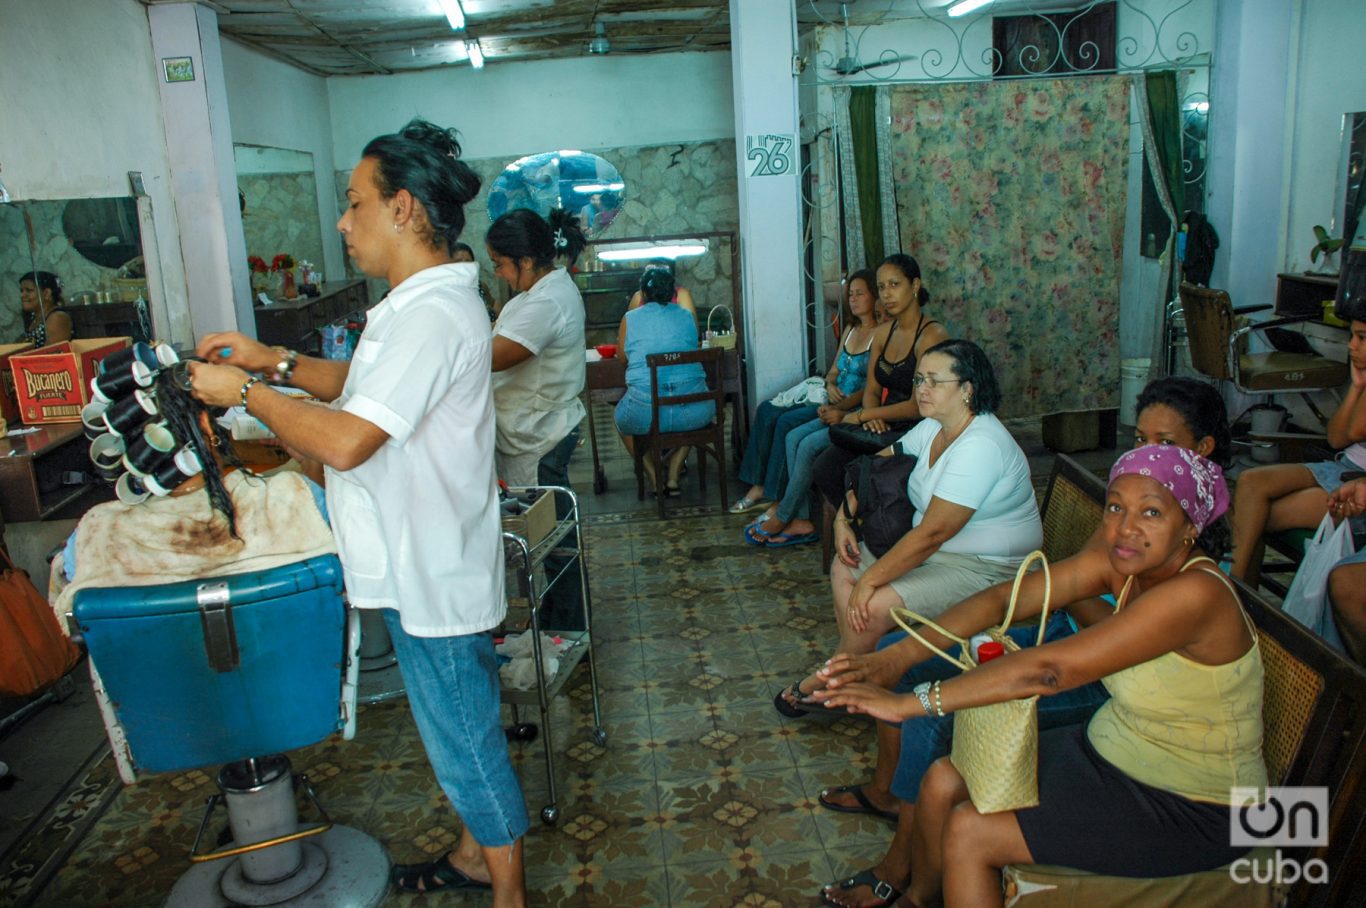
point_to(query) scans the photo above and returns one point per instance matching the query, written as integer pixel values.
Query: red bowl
(606, 351)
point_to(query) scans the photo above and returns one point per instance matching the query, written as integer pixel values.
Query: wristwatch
(284, 369)
(922, 693)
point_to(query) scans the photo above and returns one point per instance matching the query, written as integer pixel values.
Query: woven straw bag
(995, 747)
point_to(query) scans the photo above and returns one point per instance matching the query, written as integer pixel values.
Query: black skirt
(1093, 817)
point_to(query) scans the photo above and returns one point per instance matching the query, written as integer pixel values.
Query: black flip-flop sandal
(788, 708)
(881, 888)
(864, 804)
(434, 876)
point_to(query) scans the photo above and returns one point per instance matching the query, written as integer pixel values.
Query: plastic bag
(336, 342)
(1307, 599)
(807, 391)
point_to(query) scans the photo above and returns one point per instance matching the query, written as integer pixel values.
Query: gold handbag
(995, 747)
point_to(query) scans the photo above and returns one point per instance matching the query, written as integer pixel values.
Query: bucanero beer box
(52, 383)
(9, 404)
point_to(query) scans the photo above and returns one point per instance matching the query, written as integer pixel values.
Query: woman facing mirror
(45, 320)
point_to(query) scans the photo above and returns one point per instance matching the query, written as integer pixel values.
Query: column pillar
(768, 159)
(194, 116)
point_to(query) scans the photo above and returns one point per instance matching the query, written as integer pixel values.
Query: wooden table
(606, 384)
(32, 465)
(295, 323)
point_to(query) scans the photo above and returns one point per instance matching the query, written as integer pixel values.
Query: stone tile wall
(670, 189)
(282, 216)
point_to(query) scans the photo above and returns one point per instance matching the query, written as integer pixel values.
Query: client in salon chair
(220, 520)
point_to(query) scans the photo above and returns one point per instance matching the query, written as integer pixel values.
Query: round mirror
(576, 181)
(104, 231)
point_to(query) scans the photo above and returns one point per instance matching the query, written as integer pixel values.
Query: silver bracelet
(922, 693)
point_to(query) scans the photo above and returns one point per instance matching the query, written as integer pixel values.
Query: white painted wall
(1248, 144)
(765, 93)
(509, 110)
(81, 109)
(271, 103)
(1330, 81)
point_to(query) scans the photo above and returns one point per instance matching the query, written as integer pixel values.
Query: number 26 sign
(770, 154)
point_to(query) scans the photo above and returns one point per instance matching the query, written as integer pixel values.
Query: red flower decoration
(257, 264)
(282, 262)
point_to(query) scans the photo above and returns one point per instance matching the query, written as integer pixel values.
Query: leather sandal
(881, 889)
(434, 876)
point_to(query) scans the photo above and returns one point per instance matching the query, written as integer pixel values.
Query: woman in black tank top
(888, 397)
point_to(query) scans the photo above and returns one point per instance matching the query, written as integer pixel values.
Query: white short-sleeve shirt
(537, 400)
(417, 524)
(983, 469)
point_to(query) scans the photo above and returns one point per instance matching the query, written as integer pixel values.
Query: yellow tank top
(1188, 728)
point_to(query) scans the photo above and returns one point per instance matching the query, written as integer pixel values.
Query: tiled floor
(703, 794)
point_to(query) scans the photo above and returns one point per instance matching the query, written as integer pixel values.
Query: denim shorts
(1328, 474)
(452, 687)
(925, 739)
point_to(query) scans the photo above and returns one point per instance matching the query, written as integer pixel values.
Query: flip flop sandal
(756, 536)
(745, 504)
(881, 888)
(864, 805)
(788, 707)
(779, 540)
(434, 876)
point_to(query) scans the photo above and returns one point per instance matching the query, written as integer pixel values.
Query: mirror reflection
(92, 249)
(585, 184)
(1353, 198)
(16, 260)
(278, 194)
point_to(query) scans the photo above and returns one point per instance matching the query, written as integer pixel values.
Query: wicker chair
(1314, 718)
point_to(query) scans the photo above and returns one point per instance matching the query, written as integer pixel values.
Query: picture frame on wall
(178, 69)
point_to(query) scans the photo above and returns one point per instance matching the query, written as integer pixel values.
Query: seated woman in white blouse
(975, 514)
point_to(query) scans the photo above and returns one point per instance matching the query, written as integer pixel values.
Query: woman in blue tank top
(658, 326)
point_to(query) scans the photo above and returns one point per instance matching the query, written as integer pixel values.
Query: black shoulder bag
(884, 505)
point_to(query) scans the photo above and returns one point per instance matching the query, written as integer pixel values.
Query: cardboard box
(52, 383)
(9, 404)
(536, 521)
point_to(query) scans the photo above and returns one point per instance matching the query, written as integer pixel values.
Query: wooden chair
(708, 440)
(1218, 349)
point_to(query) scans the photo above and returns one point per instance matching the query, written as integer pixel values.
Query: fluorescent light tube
(476, 53)
(967, 6)
(455, 14)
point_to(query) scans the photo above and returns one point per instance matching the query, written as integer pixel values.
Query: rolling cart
(523, 563)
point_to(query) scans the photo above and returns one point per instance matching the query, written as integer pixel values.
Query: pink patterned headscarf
(1197, 483)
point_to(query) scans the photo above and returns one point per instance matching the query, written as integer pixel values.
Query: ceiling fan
(849, 63)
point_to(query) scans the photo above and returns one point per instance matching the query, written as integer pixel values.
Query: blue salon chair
(235, 670)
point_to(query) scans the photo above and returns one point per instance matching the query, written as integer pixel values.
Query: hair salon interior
(180, 168)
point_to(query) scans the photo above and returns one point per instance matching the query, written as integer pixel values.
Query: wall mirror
(588, 185)
(1350, 193)
(94, 247)
(279, 198)
(17, 249)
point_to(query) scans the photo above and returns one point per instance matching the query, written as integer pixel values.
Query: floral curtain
(1011, 195)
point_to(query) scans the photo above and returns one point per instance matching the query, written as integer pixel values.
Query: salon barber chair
(236, 670)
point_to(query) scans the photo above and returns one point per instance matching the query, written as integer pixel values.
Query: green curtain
(1164, 108)
(863, 124)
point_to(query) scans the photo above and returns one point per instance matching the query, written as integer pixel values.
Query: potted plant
(259, 269)
(1326, 246)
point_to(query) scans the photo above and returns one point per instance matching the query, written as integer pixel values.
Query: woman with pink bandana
(1144, 788)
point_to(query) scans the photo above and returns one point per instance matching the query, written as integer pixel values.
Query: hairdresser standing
(538, 361)
(408, 448)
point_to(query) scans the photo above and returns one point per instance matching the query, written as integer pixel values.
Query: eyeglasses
(933, 382)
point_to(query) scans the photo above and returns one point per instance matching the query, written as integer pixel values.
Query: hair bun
(443, 141)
